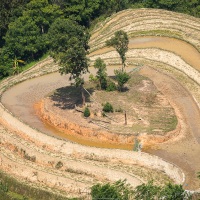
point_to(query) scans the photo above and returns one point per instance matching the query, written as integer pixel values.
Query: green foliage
(120, 43)
(107, 107)
(43, 13)
(169, 191)
(101, 73)
(122, 191)
(147, 191)
(69, 46)
(111, 86)
(119, 190)
(198, 175)
(122, 77)
(18, 190)
(86, 112)
(58, 165)
(172, 192)
(9, 11)
(3, 187)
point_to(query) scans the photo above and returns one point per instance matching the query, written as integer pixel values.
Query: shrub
(59, 165)
(122, 78)
(111, 86)
(86, 112)
(108, 107)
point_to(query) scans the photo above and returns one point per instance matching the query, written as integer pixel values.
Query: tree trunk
(83, 96)
(125, 118)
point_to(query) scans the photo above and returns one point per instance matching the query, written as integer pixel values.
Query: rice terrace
(46, 142)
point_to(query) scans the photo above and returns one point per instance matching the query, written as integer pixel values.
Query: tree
(23, 38)
(43, 13)
(119, 190)
(120, 43)
(122, 77)
(169, 191)
(9, 11)
(147, 191)
(173, 191)
(69, 47)
(26, 36)
(101, 73)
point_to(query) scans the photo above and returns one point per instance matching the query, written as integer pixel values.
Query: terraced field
(68, 168)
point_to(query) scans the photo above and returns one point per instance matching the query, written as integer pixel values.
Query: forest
(26, 26)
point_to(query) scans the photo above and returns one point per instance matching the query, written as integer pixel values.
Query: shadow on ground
(68, 97)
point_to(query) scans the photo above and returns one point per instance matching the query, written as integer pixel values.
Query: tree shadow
(68, 97)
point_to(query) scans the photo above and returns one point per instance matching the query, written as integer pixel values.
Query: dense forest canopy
(24, 24)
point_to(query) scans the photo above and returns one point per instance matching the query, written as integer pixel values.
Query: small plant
(3, 187)
(59, 165)
(108, 107)
(111, 86)
(86, 112)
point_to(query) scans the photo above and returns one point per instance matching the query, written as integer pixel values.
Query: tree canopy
(122, 191)
(69, 46)
(120, 43)
(24, 24)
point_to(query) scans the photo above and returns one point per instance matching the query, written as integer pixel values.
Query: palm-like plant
(16, 67)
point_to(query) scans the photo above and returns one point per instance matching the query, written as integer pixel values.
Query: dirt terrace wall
(68, 148)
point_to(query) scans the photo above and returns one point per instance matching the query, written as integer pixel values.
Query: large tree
(69, 47)
(120, 43)
(9, 11)
(26, 36)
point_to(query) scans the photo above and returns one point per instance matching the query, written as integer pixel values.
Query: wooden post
(125, 118)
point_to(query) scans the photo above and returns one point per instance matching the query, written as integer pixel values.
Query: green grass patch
(167, 33)
(21, 191)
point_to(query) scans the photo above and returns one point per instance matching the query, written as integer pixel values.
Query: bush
(122, 78)
(111, 87)
(59, 165)
(108, 107)
(118, 190)
(86, 112)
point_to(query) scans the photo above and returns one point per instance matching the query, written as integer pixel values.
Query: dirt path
(183, 152)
